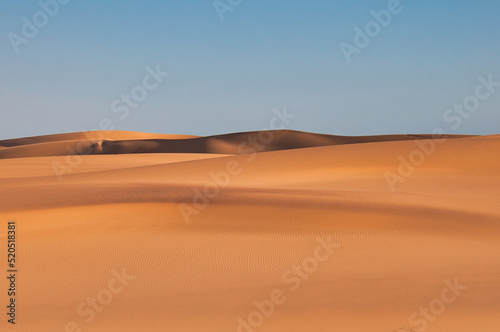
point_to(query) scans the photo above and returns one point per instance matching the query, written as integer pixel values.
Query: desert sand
(259, 231)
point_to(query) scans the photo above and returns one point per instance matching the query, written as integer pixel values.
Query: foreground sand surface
(260, 231)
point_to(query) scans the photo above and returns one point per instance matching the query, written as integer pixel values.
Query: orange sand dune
(240, 143)
(70, 144)
(304, 232)
(42, 166)
(130, 142)
(88, 135)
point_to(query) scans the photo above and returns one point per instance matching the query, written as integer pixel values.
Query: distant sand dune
(130, 142)
(88, 135)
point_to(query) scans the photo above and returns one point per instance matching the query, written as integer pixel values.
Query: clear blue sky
(228, 76)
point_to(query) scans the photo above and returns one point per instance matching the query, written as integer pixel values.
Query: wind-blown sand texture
(135, 204)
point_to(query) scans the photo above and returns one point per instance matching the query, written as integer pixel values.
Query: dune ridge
(237, 143)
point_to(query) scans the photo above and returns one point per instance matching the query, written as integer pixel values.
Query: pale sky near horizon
(66, 69)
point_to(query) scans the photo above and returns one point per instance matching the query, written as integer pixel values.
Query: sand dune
(239, 143)
(209, 228)
(88, 135)
(42, 166)
(69, 144)
(131, 142)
